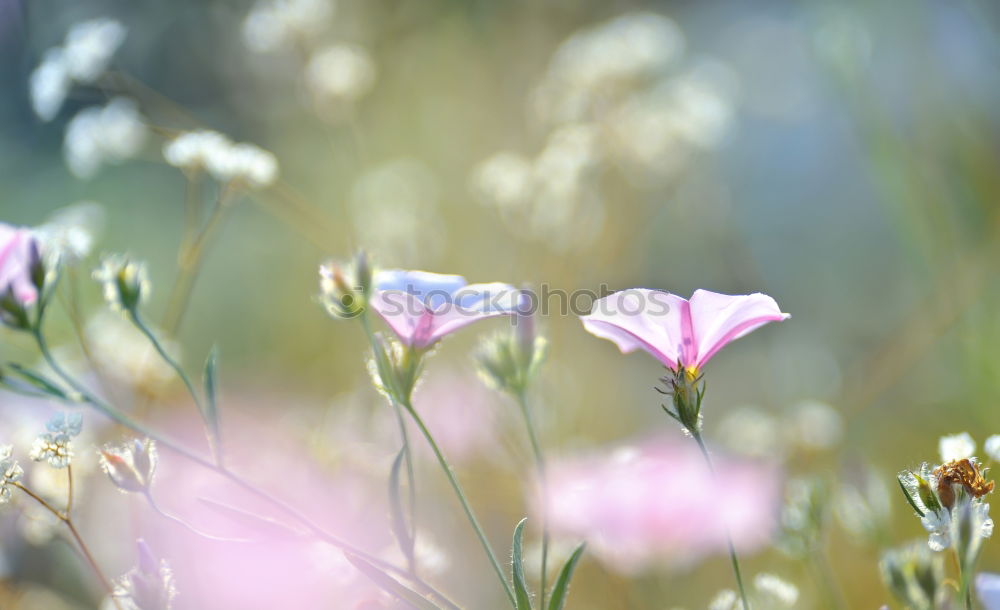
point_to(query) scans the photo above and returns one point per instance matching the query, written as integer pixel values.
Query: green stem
(536, 447)
(162, 351)
(117, 416)
(733, 558)
(825, 576)
(457, 487)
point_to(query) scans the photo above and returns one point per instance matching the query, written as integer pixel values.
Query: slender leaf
(42, 383)
(521, 596)
(399, 527)
(211, 413)
(391, 585)
(561, 589)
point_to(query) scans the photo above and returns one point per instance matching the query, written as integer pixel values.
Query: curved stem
(733, 558)
(536, 447)
(316, 530)
(457, 487)
(156, 508)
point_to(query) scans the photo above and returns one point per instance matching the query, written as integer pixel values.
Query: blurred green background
(843, 158)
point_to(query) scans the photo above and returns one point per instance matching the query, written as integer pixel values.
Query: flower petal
(640, 318)
(472, 303)
(404, 313)
(433, 289)
(718, 319)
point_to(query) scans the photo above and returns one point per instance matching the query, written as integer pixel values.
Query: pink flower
(988, 586)
(679, 332)
(18, 251)
(423, 307)
(657, 503)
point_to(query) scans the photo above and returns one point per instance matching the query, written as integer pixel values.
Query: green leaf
(521, 595)
(211, 413)
(42, 383)
(399, 528)
(561, 589)
(391, 585)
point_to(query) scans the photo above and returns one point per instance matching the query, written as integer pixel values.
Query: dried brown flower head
(962, 472)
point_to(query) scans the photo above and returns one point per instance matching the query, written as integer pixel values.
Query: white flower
(96, 136)
(10, 472)
(125, 283)
(130, 466)
(245, 163)
(727, 599)
(956, 447)
(992, 447)
(343, 73)
(780, 593)
(277, 24)
(223, 159)
(938, 525)
(89, 47)
(49, 84)
(194, 150)
(54, 445)
(71, 231)
(83, 57)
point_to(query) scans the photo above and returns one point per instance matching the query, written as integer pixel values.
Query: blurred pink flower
(657, 503)
(461, 413)
(18, 248)
(423, 307)
(279, 567)
(679, 332)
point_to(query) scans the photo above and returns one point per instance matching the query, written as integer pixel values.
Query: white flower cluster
(278, 24)
(10, 472)
(101, 135)
(54, 446)
(82, 58)
(615, 94)
(243, 163)
(342, 73)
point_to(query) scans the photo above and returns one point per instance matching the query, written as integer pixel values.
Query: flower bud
(126, 283)
(13, 312)
(36, 266)
(345, 293)
(915, 575)
(130, 466)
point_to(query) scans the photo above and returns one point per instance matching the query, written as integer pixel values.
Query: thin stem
(522, 402)
(179, 370)
(964, 590)
(69, 491)
(320, 533)
(84, 549)
(457, 487)
(733, 558)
